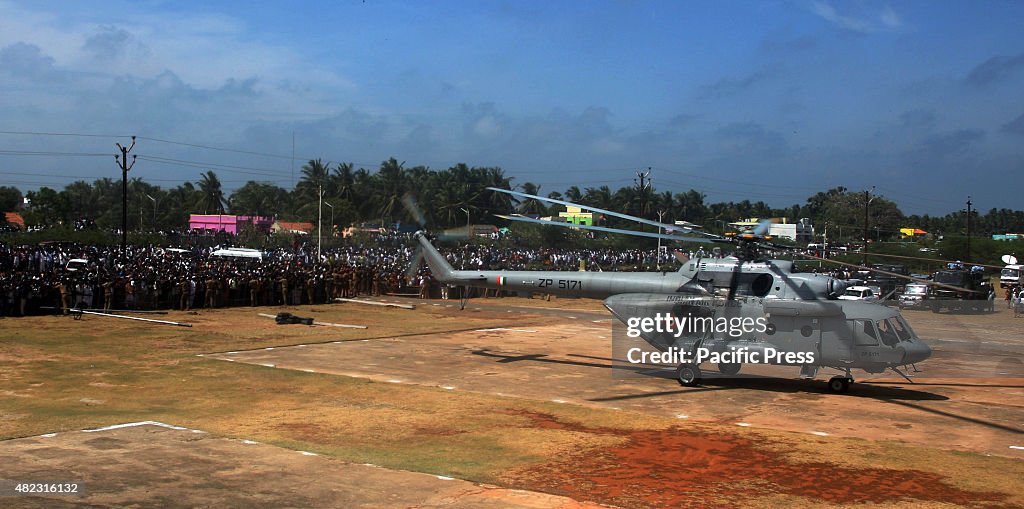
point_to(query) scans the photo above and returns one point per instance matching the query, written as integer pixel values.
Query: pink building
(229, 224)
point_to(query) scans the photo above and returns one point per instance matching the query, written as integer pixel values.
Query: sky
(762, 100)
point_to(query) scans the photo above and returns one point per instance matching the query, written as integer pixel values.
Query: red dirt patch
(685, 468)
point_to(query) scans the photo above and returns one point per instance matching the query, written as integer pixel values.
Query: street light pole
(319, 219)
(332, 216)
(661, 213)
(468, 232)
(154, 200)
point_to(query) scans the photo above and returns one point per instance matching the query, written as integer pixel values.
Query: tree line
(457, 195)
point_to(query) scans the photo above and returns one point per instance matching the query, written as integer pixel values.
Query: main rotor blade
(936, 260)
(614, 230)
(670, 227)
(762, 227)
(892, 274)
(414, 209)
(414, 267)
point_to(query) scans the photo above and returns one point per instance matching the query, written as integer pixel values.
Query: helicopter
(792, 320)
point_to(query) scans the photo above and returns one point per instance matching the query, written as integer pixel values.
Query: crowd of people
(57, 277)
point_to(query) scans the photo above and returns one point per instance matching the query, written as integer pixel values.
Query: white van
(238, 252)
(1010, 276)
(76, 264)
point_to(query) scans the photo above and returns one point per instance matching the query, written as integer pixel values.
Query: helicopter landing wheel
(839, 384)
(688, 375)
(729, 368)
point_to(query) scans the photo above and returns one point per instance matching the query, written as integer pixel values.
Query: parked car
(913, 296)
(76, 264)
(859, 293)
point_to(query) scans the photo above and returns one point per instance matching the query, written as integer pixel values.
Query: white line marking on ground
(49, 435)
(198, 431)
(1017, 447)
(503, 329)
(435, 304)
(448, 387)
(559, 401)
(445, 478)
(232, 353)
(819, 433)
(132, 425)
(682, 416)
(249, 442)
(573, 317)
(300, 346)
(336, 342)
(394, 381)
(307, 453)
(229, 360)
(744, 424)
(309, 371)
(268, 365)
(269, 348)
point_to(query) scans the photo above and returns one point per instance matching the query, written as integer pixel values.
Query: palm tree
(211, 194)
(315, 176)
(259, 198)
(390, 185)
(532, 206)
(344, 181)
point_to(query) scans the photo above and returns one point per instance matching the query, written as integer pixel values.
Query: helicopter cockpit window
(870, 337)
(906, 326)
(888, 335)
(900, 329)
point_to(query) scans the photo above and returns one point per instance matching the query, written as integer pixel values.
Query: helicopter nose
(915, 352)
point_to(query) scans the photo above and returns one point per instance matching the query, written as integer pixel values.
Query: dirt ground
(160, 465)
(518, 396)
(963, 398)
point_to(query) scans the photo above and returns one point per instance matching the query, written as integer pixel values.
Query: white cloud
(861, 22)
(890, 18)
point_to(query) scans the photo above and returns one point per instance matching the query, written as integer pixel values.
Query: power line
(207, 165)
(81, 135)
(50, 153)
(210, 147)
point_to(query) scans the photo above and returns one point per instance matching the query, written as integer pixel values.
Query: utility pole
(968, 228)
(867, 201)
(643, 183)
(661, 213)
(122, 162)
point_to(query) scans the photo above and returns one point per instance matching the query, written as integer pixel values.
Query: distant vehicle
(1010, 276)
(863, 293)
(973, 292)
(238, 252)
(76, 264)
(877, 290)
(921, 276)
(913, 296)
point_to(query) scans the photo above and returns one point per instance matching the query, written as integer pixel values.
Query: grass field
(60, 374)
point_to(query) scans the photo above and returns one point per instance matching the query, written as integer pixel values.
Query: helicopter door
(836, 340)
